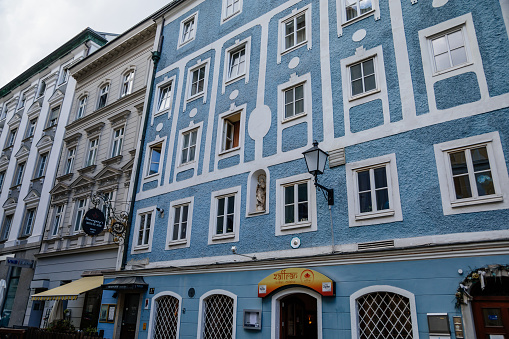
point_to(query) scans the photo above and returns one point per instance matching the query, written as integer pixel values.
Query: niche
(258, 193)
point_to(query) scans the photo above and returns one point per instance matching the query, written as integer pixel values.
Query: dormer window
(103, 96)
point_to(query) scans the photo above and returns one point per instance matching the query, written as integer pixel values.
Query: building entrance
(130, 315)
(490, 307)
(298, 317)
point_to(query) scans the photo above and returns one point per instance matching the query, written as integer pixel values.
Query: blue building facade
(409, 98)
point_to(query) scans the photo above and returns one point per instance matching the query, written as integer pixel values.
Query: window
(41, 165)
(31, 128)
(57, 219)
(4, 112)
(155, 159)
(166, 316)
(22, 100)
(127, 84)
(53, 117)
(108, 196)
(118, 138)
(82, 103)
(81, 205)
(188, 146)
(225, 215)
(230, 8)
(373, 191)
(180, 217)
(179, 223)
(448, 50)
(197, 82)
(165, 94)
(2, 177)
(355, 8)
(188, 29)
(217, 315)
(362, 77)
(29, 222)
(295, 31)
(93, 145)
(20, 170)
(6, 227)
(231, 132)
(294, 101)
(296, 203)
(472, 174)
(69, 164)
(144, 229)
(63, 76)
(237, 63)
(42, 89)
(11, 138)
(103, 96)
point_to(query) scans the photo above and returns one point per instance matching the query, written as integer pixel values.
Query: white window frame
(354, 311)
(82, 106)
(298, 227)
(53, 122)
(192, 36)
(306, 10)
(153, 310)
(79, 213)
(92, 149)
(343, 22)
(29, 217)
(117, 141)
(42, 164)
(148, 156)
(179, 167)
(31, 126)
(196, 146)
(42, 89)
(474, 62)
(201, 311)
(220, 142)
(364, 92)
(71, 157)
(227, 237)
(22, 100)
(55, 226)
(19, 173)
(394, 213)
(11, 138)
(2, 178)
(100, 94)
(144, 247)
(160, 87)
(179, 243)
(111, 196)
(203, 93)
(224, 12)
(498, 168)
(239, 45)
(64, 75)
(6, 230)
(126, 86)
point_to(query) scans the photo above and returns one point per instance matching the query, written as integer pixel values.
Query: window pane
(484, 183)
(192, 151)
(299, 106)
(382, 199)
(229, 224)
(185, 208)
(455, 40)
(193, 137)
(184, 156)
(289, 41)
(459, 56)
(368, 67)
(442, 62)
(439, 46)
(369, 83)
(462, 187)
(289, 195)
(380, 177)
(289, 27)
(289, 214)
(480, 159)
(303, 212)
(288, 110)
(220, 206)
(355, 72)
(231, 204)
(351, 9)
(458, 163)
(201, 83)
(220, 222)
(365, 6)
(303, 192)
(363, 178)
(365, 202)
(183, 230)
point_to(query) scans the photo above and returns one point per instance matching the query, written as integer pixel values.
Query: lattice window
(384, 315)
(218, 317)
(167, 314)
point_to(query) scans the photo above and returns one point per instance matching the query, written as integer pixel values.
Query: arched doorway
(490, 307)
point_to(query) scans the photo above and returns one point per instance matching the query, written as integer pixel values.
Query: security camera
(234, 249)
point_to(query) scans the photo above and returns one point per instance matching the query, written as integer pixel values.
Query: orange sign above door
(296, 276)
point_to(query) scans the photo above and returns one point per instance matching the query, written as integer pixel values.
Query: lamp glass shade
(315, 159)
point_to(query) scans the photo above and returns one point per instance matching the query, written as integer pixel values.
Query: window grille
(384, 315)
(167, 314)
(218, 315)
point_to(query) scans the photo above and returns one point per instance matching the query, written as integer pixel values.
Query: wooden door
(491, 317)
(298, 317)
(130, 316)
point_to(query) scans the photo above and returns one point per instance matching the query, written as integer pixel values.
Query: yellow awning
(72, 290)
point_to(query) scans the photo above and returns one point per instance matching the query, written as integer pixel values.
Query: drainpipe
(156, 56)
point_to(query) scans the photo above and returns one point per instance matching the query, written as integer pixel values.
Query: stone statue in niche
(260, 193)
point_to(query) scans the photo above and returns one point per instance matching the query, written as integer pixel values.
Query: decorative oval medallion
(294, 63)
(259, 122)
(359, 35)
(439, 3)
(234, 94)
(193, 112)
(159, 127)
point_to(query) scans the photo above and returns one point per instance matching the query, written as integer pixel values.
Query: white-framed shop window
(82, 105)
(230, 9)
(154, 158)
(237, 59)
(165, 311)
(165, 91)
(472, 174)
(144, 229)
(381, 311)
(197, 81)
(188, 29)
(224, 222)
(217, 315)
(117, 141)
(295, 31)
(58, 217)
(93, 146)
(295, 205)
(179, 223)
(373, 191)
(80, 207)
(127, 83)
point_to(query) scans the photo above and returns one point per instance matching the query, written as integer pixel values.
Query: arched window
(166, 316)
(217, 315)
(127, 83)
(103, 96)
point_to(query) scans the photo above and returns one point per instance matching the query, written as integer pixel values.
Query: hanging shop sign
(93, 222)
(296, 276)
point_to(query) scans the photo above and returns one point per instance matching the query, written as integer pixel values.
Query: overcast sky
(32, 29)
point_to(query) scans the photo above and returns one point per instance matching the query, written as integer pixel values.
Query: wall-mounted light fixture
(160, 210)
(234, 251)
(315, 161)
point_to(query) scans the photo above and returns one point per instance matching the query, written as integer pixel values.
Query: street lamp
(315, 161)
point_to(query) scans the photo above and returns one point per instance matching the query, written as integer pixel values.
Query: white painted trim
(378, 217)
(251, 193)
(500, 200)
(194, 17)
(281, 31)
(220, 154)
(146, 162)
(225, 18)
(151, 323)
(275, 309)
(201, 310)
(325, 72)
(225, 238)
(191, 164)
(312, 224)
(155, 112)
(181, 243)
(341, 15)
(246, 43)
(199, 64)
(136, 249)
(504, 5)
(380, 288)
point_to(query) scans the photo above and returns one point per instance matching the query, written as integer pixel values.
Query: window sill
(223, 236)
(177, 242)
(113, 160)
(89, 168)
(295, 117)
(47, 128)
(452, 69)
(186, 165)
(65, 176)
(229, 17)
(162, 112)
(234, 79)
(371, 215)
(288, 227)
(181, 44)
(140, 247)
(479, 200)
(29, 138)
(8, 148)
(228, 151)
(152, 176)
(358, 18)
(293, 48)
(41, 178)
(363, 95)
(12, 188)
(196, 96)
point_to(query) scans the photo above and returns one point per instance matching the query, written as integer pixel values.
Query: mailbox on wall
(438, 326)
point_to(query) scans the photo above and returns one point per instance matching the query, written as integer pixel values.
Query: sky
(32, 29)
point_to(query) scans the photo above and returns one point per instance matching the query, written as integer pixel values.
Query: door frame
(276, 309)
(486, 299)
(120, 312)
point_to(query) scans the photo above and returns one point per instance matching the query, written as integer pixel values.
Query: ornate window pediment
(34, 109)
(72, 140)
(119, 119)
(108, 176)
(22, 153)
(15, 120)
(32, 197)
(59, 188)
(58, 96)
(82, 184)
(94, 130)
(10, 204)
(45, 143)
(4, 162)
